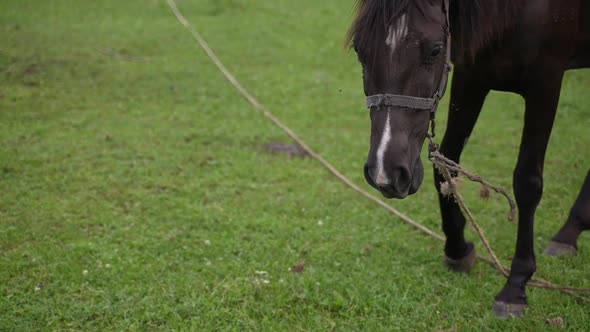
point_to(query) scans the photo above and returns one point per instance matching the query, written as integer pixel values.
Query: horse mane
(475, 24)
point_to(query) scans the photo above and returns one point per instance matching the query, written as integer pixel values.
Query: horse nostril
(401, 177)
(368, 175)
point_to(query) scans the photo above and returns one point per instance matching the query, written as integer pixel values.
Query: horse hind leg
(565, 241)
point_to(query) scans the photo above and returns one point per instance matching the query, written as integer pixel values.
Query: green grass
(152, 177)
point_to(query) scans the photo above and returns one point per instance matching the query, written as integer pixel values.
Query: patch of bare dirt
(298, 267)
(285, 148)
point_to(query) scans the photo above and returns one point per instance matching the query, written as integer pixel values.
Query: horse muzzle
(399, 182)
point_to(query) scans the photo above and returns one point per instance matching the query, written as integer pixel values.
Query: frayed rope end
(484, 192)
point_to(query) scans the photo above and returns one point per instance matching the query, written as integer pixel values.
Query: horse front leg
(467, 97)
(541, 104)
(565, 242)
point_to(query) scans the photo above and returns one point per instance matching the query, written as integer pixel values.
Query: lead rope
(448, 167)
(258, 106)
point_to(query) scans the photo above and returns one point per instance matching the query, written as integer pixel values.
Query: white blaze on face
(381, 179)
(397, 32)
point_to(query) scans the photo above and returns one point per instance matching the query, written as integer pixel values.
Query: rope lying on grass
(443, 162)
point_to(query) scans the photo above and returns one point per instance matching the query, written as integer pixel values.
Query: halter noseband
(420, 103)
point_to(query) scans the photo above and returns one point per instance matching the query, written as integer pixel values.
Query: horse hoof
(462, 264)
(505, 310)
(560, 249)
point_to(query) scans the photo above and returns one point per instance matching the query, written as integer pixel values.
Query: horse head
(403, 49)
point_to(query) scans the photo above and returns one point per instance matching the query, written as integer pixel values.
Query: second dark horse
(521, 46)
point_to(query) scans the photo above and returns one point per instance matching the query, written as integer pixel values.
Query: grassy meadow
(136, 192)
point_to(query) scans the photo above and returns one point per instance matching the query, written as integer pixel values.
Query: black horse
(521, 46)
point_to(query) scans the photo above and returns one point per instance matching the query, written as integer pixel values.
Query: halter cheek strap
(419, 103)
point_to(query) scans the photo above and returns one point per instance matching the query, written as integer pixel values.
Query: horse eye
(436, 50)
